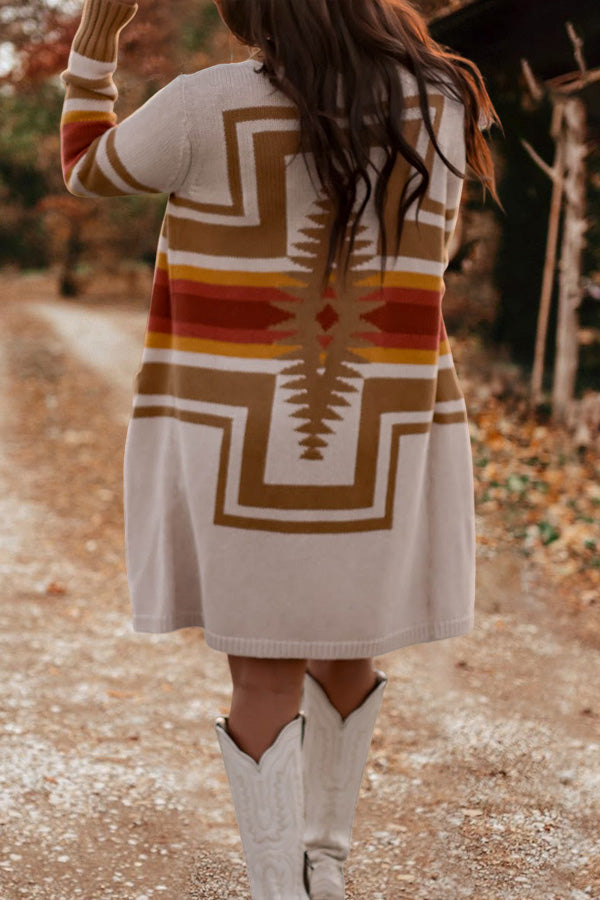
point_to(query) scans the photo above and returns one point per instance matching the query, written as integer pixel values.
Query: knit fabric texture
(297, 469)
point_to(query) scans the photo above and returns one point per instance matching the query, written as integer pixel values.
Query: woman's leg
(266, 696)
(267, 693)
(346, 682)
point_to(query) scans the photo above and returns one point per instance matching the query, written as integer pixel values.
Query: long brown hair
(304, 45)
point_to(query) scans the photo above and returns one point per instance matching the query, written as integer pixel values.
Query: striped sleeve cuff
(101, 23)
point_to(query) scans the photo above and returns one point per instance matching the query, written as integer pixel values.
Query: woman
(297, 471)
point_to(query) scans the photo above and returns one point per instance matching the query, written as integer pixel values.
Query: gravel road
(484, 776)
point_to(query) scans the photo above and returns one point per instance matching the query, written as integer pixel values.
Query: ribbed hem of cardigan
(98, 32)
(424, 632)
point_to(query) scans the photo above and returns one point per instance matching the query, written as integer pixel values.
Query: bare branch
(535, 87)
(577, 48)
(549, 170)
(572, 85)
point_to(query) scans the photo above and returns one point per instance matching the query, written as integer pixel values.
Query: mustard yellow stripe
(406, 279)
(396, 355)
(219, 348)
(444, 347)
(88, 115)
(213, 276)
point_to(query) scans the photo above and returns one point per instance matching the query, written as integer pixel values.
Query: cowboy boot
(335, 752)
(268, 799)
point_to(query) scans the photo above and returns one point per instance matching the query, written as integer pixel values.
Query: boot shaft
(268, 799)
(335, 753)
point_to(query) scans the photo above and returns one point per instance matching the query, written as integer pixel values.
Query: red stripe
(210, 310)
(226, 313)
(233, 335)
(229, 313)
(242, 293)
(160, 303)
(405, 317)
(76, 137)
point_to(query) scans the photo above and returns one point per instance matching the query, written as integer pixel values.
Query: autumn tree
(41, 222)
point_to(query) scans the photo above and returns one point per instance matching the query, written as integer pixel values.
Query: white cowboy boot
(335, 753)
(268, 799)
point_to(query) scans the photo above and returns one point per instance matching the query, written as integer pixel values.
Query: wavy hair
(305, 45)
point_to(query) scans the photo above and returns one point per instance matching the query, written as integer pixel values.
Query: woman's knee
(280, 676)
(339, 669)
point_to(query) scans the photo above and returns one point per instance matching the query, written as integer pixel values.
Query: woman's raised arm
(149, 152)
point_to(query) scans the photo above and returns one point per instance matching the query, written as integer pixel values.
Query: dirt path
(484, 776)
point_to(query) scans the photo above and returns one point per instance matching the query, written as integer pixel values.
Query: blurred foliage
(200, 29)
(38, 214)
(27, 120)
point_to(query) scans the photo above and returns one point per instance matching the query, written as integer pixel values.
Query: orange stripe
(243, 279)
(397, 355)
(227, 277)
(218, 348)
(88, 115)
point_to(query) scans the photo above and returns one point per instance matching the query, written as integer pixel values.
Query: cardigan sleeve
(149, 152)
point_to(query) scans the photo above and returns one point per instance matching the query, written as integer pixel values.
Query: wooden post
(551, 249)
(575, 226)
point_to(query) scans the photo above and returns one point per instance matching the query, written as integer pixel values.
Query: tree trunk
(68, 283)
(575, 225)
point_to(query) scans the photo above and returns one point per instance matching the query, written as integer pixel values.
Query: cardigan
(297, 467)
